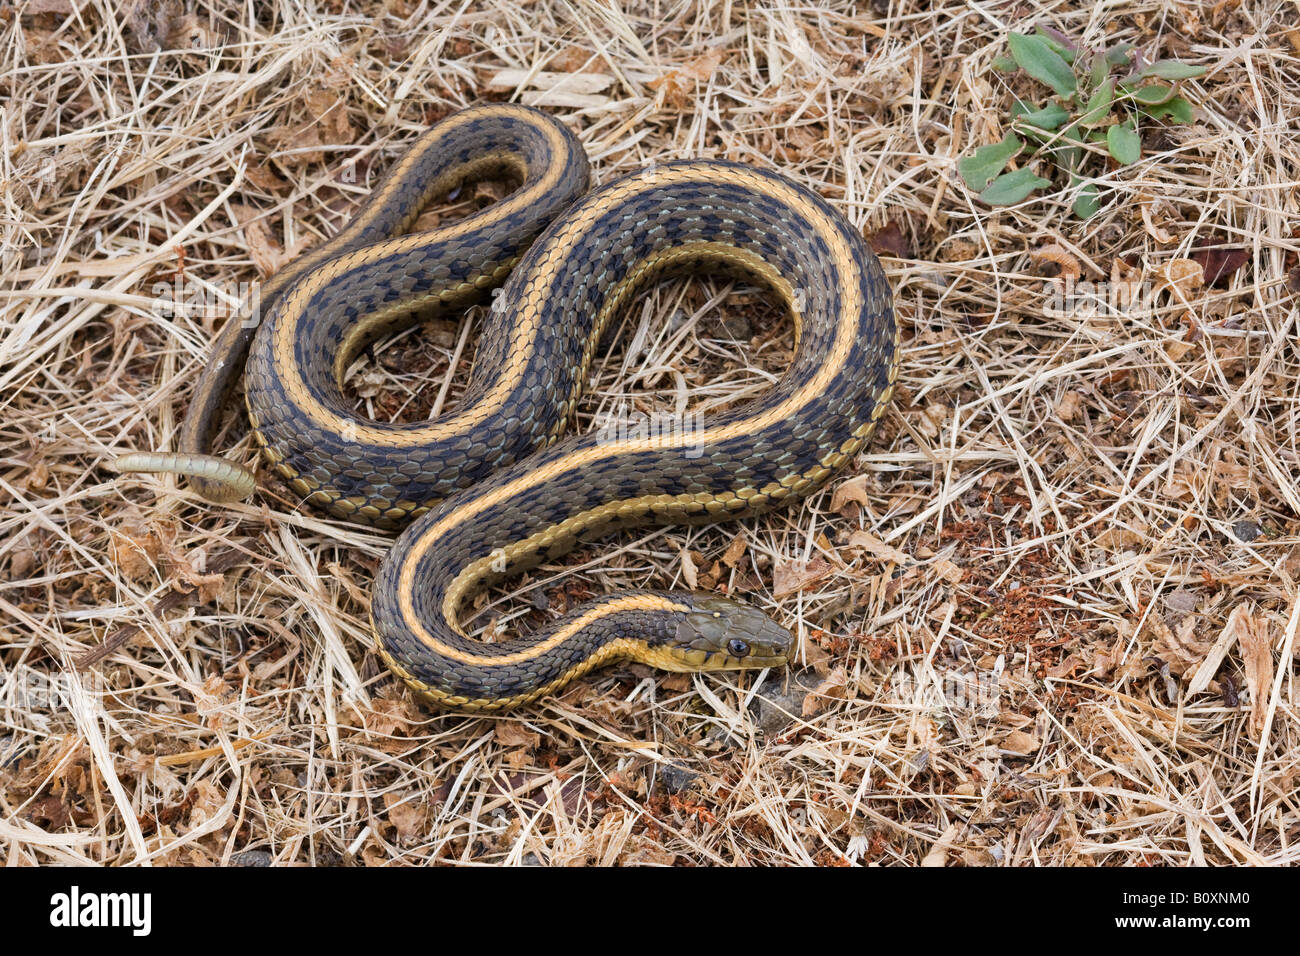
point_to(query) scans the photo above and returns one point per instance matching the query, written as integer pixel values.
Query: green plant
(1099, 98)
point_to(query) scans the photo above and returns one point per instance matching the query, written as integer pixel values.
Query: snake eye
(737, 647)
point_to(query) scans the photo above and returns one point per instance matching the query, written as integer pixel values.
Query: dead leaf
(835, 686)
(1218, 263)
(869, 543)
(1150, 207)
(265, 252)
(816, 657)
(1064, 259)
(1066, 668)
(1120, 538)
(1255, 639)
(1019, 742)
(674, 84)
(1126, 280)
(263, 176)
(938, 853)
(852, 490)
(690, 573)
(1070, 406)
(931, 419)
(950, 572)
(735, 551)
(388, 722)
(890, 241)
(514, 733)
(1209, 665)
(407, 816)
(791, 577)
(147, 23)
(1182, 277)
(1182, 650)
(137, 552)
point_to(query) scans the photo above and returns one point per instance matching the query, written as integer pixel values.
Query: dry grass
(1090, 519)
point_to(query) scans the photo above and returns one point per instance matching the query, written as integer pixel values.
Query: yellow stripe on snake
(495, 487)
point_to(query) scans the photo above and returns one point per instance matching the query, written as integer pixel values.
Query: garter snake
(493, 488)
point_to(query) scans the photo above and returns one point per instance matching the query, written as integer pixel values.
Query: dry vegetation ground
(1050, 617)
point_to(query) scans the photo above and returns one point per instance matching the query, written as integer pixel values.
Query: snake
(496, 487)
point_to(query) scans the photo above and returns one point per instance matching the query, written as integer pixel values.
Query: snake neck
(472, 675)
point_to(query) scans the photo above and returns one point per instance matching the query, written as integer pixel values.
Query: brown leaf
(852, 490)
(1150, 207)
(735, 551)
(704, 65)
(137, 552)
(514, 733)
(406, 815)
(950, 572)
(1183, 277)
(1218, 263)
(1070, 405)
(878, 549)
(1019, 742)
(387, 718)
(937, 855)
(263, 176)
(148, 23)
(835, 686)
(1255, 639)
(675, 83)
(690, 572)
(1119, 538)
(1063, 258)
(817, 657)
(890, 241)
(791, 577)
(1126, 280)
(265, 252)
(1182, 650)
(1067, 667)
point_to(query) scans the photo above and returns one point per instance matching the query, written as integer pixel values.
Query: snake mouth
(688, 660)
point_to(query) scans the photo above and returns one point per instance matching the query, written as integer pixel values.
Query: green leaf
(1098, 108)
(1049, 117)
(1037, 58)
(1100, 70)
(1177, 109)
(1070, 154)
(1088, 202)
(978, 169)
(1124, 144)
(1010, 188)
(1118, 55)
(1152, 95)
(1005, 64)
(1173, 70)
(1058, 41)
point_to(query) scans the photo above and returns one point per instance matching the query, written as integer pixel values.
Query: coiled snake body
(493, 488)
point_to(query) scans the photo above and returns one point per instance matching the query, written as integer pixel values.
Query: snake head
(717, 634)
